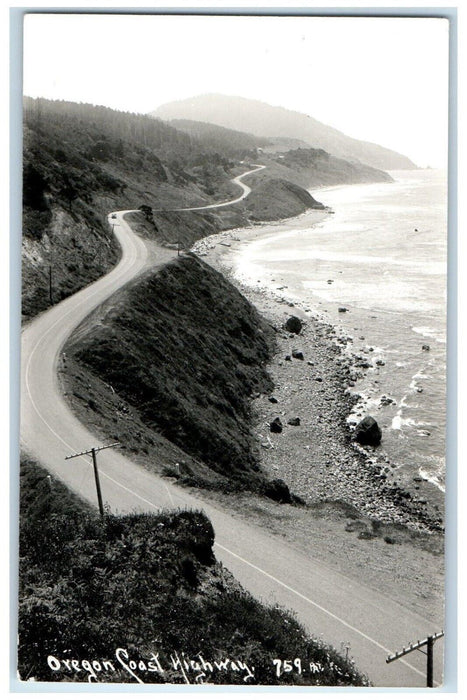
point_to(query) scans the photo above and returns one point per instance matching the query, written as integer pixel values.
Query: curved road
(326, 602)
(238, 181)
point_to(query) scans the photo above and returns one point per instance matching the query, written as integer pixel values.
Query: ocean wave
(434, 477)
(428, 332)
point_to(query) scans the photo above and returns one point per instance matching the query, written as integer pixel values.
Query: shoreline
(317, 458)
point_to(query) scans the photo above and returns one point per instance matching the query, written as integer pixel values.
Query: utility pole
(428, 642)
(50, 286)
(93, 452)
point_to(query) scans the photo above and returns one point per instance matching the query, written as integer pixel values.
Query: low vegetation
(133, 599)
(186, 351)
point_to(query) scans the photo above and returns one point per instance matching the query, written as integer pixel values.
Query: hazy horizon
(342, 71)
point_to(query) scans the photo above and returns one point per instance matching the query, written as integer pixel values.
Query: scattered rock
(278, 491)
(272, 399)
(294, 325)
(354, 525)
(342, 309)
(368, 432)
(380, 363)
(288, 358)
(425, 347)
(386, 401)
(363, 364)
(294, 421)
(275, 426)
(298, 354)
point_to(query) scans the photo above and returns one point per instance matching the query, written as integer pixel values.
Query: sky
(378, 79)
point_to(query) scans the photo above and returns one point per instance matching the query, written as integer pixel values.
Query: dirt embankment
(76, 248)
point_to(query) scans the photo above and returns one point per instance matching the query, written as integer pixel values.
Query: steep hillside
(271, 198)
(145, 584)
(264, 120)
(80, 162)
(317, 168)
(185, 352)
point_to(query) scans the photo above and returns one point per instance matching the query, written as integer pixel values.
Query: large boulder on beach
(368, 432)
(275, 426)
(293, 325)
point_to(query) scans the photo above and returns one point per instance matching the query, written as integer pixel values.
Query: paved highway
(238, 181)
(326, 602)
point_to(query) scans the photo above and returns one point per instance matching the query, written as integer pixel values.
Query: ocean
(381, 255)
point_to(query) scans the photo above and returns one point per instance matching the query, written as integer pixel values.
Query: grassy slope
(148, 584)
(313, 168)
(185, 352)
(271, 198)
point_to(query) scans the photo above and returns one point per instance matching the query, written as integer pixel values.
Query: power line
(428, 642)
(93, 452)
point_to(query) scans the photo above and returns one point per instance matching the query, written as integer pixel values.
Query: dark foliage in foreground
(148, 584)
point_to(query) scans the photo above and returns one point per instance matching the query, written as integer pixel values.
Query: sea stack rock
(293, 325)
(368, 432)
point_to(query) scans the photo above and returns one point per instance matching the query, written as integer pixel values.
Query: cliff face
(265, 120)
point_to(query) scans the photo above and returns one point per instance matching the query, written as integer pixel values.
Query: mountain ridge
(264, 120)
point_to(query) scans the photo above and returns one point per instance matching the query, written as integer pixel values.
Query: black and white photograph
(233, 393)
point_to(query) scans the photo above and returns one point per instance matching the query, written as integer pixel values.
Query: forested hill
(82, 161)
(170, 142)
(265, 120)
(108, 124)
(79, 163)
(228, 141)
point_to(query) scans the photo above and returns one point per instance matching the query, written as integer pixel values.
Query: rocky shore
(303, 426)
